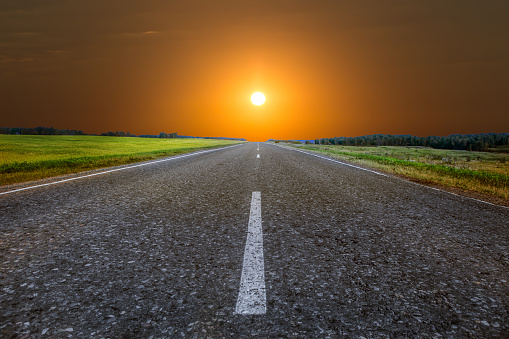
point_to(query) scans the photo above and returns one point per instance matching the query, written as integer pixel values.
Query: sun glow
(258, 98)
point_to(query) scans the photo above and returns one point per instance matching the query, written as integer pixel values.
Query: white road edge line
(461, 196)
(252, 298)
(333, 160)
(415, 183)
(115, 170)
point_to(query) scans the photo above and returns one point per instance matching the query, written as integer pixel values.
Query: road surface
(250, 241)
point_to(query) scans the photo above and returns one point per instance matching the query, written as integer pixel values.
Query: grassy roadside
(33, 157)
(483, 175)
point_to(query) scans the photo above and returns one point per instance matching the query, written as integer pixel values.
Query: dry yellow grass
(483, 175)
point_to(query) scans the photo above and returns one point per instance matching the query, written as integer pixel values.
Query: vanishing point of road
(253, 240)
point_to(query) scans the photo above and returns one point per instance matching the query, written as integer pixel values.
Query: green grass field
(32, 157)
(485, 173)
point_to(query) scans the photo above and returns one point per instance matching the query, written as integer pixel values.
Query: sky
(327, 67)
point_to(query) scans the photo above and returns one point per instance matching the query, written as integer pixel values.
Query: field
(32, 157)
(483, 175)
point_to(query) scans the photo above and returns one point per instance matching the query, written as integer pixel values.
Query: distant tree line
(161, 135)
(286, 141)
(54, 131)
(117, 134)
(470, 142)
(219, 138)
(39, 131)
(222, 138)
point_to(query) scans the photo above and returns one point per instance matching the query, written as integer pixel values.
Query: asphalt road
(159, 251)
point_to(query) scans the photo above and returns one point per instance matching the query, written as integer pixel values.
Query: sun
(258, 98)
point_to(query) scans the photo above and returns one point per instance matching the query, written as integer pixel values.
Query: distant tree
(474, 142)
(37, 131)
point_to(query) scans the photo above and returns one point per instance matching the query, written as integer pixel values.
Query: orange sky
(327, 68)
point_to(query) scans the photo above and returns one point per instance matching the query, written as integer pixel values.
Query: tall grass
(489, 178)
(489, 175)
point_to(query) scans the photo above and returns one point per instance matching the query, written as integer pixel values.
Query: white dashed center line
(252, 298)
(258, 155)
